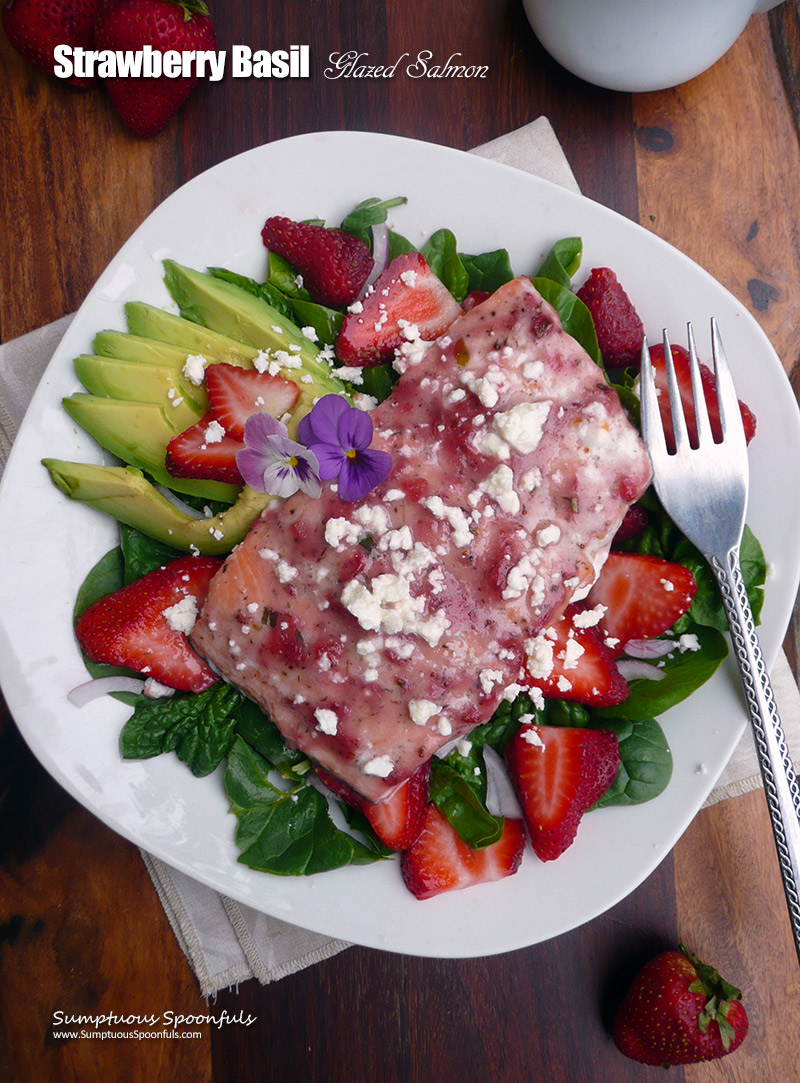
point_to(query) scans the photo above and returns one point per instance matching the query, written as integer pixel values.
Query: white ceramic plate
(50, 543)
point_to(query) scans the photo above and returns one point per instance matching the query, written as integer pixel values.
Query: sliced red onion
(380, 255)
(500, 797)
(649, 648)
(634, 669)
(103, 686)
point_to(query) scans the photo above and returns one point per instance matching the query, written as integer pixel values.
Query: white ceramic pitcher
(638, 45)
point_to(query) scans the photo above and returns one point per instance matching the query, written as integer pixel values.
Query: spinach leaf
(685, 672)
(573, 313)
(399, 245)
(370, 212)
(283, 277)
(198, 727)
(107, 575)
(458, 802)
(503, 724)
(441, 252)
(645, 762)
(562, 261)
(378, 381)
(327, 322)
(265, 290)
(285, 832)
(488, 271)
(259, 731)
(141, 554)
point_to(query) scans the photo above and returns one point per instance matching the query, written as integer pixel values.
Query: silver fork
(704, 490)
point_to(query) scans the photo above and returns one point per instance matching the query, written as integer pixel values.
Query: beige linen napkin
(225, 941)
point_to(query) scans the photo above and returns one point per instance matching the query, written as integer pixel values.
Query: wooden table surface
(711, 166)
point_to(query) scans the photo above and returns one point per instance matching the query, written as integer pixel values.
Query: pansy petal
(355, 429)
(251, 465)
(324, 420)
(330, 458)
(362, 473)
(280, 479)
(261, 427)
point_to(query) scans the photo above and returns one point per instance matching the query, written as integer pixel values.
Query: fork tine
(729, 413)
(679, 429)
(701, 418)
(652, 429)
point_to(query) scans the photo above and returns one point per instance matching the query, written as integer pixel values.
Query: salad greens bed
(284, 823)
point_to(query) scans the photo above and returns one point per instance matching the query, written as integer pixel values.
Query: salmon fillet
(373, 633)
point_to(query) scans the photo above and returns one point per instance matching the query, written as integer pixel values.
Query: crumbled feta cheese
(500, 487)
(182, 616)
(380, 766)
(572, 654)
(462, 535)
(522, 426)
(539, 651)
(154, 689)
(194, 368)
(548, 535)
(588, 618)
(488, 678)
(341, 530)
(327, 720)
(422, 711)
(285, 572)
(214, 433)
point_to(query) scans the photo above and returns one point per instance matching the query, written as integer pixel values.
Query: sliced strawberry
(643, 596)
(616, 321)
(680, 359)
(398, 820)
(559, 772)
(439, 861)
(234, 394)
(407, 301)
(142, 625)
(583, 668)
(334, 264)
(204, 451)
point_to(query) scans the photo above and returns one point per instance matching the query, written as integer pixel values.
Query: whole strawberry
(679, 1011)
(334, 264)
(35, 27)
(619, 329)
(146, 103)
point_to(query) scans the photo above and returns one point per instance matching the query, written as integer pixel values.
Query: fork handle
(780, 782)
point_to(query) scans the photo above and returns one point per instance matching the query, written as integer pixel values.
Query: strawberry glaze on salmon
(374, 633)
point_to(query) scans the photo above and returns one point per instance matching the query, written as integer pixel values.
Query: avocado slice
(234, 312)
(138, 433)
(125, 494)
(145, 351)
(116, 379)
(149, 322)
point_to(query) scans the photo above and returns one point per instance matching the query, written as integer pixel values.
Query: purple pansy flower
(272, 463)
(339, 435)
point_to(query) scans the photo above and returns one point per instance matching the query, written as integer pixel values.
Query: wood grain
(74, 187)
(81, 928)
(732, 911)
(82, 932)
(543, 1012)
(716, 161)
